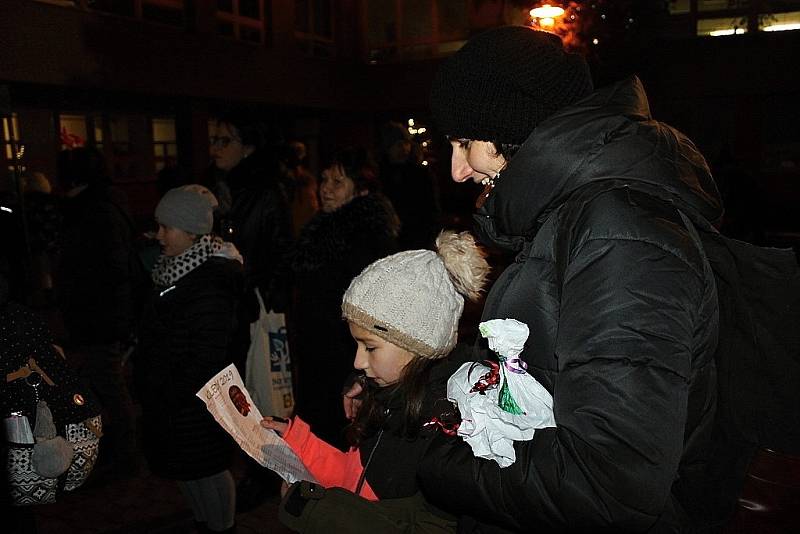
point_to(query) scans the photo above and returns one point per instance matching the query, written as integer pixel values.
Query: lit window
(679, 7)
(12, 146)
(97, 122)
(72, 130)
(722, 26)
(165, 147)
(780, 22)
(241, 19)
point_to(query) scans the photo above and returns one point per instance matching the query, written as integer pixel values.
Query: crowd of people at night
(594, 203)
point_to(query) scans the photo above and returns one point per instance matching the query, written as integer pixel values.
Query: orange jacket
(330, 466)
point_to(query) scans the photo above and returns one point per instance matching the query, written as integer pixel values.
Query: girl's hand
(278, 424)
(351, 401)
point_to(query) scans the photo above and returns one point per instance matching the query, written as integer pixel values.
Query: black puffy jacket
(185, 339)
(623, 338)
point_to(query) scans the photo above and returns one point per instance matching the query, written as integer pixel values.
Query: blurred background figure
(255, 216)
(186, 335)
(355, 226)
(98, 280)
(410, 186)
(44, 223)
(257, 219)
(302, 186)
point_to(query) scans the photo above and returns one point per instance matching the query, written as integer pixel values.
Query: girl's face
(474, 159)
(336, 189)
(173, 241)
(227, 149)
(380, 360)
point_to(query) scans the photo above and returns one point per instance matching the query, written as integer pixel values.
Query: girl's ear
(248, 149)
(363, 193)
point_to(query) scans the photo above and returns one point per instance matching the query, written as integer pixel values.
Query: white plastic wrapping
(500, 407)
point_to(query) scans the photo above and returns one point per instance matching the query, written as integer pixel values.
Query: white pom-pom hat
(414, 299)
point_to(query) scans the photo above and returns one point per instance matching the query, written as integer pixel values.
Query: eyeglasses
(221, 141)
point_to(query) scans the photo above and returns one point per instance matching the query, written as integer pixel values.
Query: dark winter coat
(331, 250)
(259, 224)
(625, 344)
(184, 342)
(97, 277)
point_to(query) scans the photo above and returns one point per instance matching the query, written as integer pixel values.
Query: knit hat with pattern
(190, 209)
(505, 81)
(414, 298)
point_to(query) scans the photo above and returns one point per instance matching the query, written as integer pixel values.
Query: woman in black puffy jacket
(590, 192)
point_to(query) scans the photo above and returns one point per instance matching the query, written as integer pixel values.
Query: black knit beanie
(503, 82)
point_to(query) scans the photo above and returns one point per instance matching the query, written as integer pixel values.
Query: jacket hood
(609, 135)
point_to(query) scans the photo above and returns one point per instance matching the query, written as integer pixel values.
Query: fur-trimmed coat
(332, 249)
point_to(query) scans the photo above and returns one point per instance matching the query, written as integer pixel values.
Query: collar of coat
(327, 237)
(609, 135)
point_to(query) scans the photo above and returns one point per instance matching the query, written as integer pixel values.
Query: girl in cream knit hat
(403, 313)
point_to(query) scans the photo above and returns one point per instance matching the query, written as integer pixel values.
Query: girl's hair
(373, 414)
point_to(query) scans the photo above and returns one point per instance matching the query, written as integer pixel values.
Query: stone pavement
(141, 504)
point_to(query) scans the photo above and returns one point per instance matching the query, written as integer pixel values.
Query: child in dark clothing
(403, 312)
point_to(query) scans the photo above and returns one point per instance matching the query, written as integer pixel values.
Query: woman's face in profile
(336, 189)
(227, 149)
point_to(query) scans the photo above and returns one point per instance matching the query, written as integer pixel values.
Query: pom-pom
(465, 262)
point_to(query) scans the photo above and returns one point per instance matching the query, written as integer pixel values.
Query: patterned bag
(35, 371)
(27, 487)
(85, 440)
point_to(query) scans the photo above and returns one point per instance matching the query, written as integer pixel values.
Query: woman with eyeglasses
(256, 217)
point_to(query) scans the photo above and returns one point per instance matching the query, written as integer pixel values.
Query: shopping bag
(268, 374)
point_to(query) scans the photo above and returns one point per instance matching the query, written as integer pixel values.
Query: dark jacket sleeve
(271, 272)
(117, 240)
(624, 352)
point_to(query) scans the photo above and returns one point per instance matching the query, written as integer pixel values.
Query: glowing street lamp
(546, 15)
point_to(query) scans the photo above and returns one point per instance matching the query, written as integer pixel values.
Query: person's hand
(350, 402)
(278, 424)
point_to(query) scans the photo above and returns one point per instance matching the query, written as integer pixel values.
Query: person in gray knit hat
(585, 188)
(187, 208)
(186, 336)
(403, 313)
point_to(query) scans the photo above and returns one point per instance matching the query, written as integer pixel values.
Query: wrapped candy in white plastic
(500, 402)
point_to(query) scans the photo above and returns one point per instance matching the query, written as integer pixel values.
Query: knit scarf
(170, 269)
